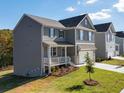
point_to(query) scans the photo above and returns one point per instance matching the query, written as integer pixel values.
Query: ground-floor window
(117, 48)
(53, 51)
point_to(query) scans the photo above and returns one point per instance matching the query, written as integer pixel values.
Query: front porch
(55, 61)
(56, 54)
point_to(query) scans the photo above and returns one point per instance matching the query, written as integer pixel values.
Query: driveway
(109, 67)
(118, 57)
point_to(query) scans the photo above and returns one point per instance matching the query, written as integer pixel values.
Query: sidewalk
(109, 67)
(118, 57)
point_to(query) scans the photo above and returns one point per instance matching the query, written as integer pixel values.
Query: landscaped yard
(114, 62)
(110, 82)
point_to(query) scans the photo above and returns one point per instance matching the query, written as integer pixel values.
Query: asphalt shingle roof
(102, 27)
(46, 21)
(120, 34)
(72, 21)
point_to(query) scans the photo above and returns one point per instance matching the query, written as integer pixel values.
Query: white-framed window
(81, 35)
(113, 38)
(93, 36)
(108, 37)
(85, 22)
(61, 34)
(53, 51)
(90, 36)
(52, 32)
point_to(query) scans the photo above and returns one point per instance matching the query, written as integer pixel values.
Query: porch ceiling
(57, 44)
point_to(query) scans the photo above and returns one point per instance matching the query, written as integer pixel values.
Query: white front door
(82, 55)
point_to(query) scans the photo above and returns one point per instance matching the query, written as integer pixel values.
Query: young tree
(89, 65)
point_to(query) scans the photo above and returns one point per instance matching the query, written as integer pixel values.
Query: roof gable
(112, 28)
(87, 23)
(73, 21)
(102, 27)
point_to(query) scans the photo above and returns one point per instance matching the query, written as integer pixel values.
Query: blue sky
(100, 11)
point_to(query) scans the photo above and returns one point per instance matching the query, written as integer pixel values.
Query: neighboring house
(119, 40)
(40, 43)
(105, 40)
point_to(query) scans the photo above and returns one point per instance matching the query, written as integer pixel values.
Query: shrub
(100, 59)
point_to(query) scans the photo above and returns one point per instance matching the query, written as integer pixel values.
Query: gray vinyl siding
(100, 45)
(71, 53)
(27, 48)
(110, 44)
(70, 36)
(120, 41)
(46, 34)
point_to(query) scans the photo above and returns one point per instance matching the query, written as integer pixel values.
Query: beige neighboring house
(41, 43)
(105, 40)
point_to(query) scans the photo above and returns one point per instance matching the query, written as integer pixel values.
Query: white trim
(85, 43)
(84, 28)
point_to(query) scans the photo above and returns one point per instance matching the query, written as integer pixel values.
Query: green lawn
(110, 82)
(114, 62)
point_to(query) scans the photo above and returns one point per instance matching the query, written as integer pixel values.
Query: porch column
(49, 58)
(65, 54)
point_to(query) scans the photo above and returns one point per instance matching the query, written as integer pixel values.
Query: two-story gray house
(119, 40)
(105, 40)
(41, 43)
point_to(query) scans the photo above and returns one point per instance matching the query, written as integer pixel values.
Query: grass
(114, 62)
(110, 82)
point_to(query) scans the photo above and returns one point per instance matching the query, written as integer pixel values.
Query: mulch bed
(6, 68)
(90, 82)
(64, 70)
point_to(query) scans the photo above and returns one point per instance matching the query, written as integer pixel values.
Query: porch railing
(56, 61)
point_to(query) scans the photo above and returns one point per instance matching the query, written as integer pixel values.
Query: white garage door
(82, 55)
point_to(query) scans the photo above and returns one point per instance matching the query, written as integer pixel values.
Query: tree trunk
(89, 76)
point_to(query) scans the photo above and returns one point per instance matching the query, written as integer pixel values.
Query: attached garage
(82, 55)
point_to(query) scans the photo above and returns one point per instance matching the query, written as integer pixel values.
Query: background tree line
(6, 48)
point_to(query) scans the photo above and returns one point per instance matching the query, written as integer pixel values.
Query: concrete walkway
(122, 91)
(104, 66)
(118, 57)
(109, 67)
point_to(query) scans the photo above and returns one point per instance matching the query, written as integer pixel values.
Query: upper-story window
(81, 35)
(108, 36)
(113, 38)
(86, 22)
(52, 32)
(86, 35)
(61, 34)
(90, 36)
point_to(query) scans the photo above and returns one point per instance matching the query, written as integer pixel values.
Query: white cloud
(103, 14)
(91, 1)
(70, 9)
(119, 5)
